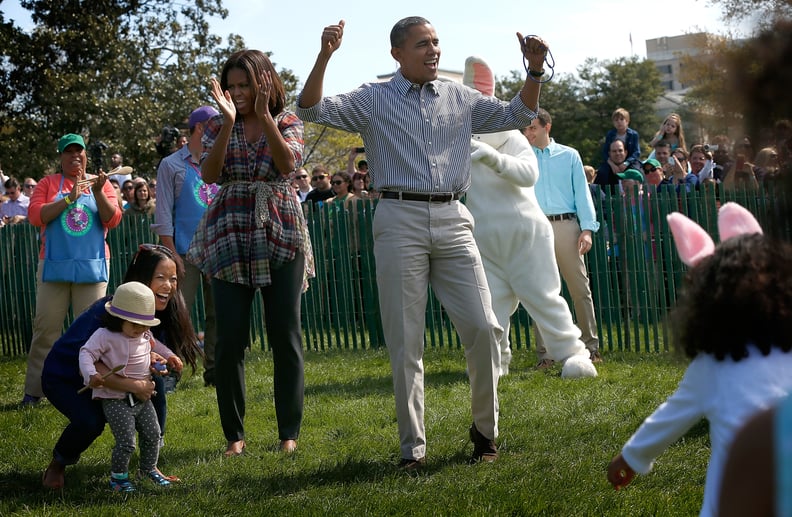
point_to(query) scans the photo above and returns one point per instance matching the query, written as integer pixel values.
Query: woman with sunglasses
(254, 237)
(155, 267)
(341, 184)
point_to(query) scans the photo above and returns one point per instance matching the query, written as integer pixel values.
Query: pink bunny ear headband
(693, 243)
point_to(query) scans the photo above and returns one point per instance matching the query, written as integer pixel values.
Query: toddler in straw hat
(125, 341)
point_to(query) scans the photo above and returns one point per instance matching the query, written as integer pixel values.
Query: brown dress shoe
(54, 476)
(409, 464)
(484, 449)
(234, 449)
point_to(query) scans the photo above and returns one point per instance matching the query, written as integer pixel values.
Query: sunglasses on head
(152, 247)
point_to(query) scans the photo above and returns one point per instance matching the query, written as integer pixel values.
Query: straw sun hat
(134, 302)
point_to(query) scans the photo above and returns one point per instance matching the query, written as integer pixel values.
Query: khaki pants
(193, 277)
(416, 244)
(573, 271)
(52, 304)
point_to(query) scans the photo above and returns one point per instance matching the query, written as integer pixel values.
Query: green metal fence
(635, 273)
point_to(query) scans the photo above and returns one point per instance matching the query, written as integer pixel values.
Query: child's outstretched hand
(619, 473)
(175, 364)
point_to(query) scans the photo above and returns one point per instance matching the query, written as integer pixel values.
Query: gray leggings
(124, 421)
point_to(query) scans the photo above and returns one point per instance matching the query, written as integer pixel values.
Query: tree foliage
(111, 70)
(764, 12)
(581, 106)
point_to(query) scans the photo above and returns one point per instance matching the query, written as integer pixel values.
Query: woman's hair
(344, 176)
(176, 325)
(740, 295)
(254, 63)
(139, 185)
(766, 158)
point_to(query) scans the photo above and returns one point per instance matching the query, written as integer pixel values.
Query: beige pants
(193, 277)
(52, 304)
(573, 271)
(417, 244)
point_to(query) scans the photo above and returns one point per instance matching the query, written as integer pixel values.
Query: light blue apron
(190, 205)
(74, 250)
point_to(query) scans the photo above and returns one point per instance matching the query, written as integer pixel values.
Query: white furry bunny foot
(578, 366)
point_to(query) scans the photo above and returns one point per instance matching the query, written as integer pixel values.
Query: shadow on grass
(86, 485)
(379, 385)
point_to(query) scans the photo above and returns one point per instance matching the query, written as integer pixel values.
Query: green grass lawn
(556, 439)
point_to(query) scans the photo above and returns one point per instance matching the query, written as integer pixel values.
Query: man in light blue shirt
(565, 198)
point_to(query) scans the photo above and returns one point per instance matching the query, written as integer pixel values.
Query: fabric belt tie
(262, 190)
(562, 217)
(434, 197)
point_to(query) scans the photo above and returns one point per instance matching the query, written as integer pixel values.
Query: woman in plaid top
(253, 236)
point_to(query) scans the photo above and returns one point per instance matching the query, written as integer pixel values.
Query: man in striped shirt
(416, 131)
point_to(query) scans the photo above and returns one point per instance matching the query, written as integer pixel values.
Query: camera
(167, 139)
(97, 150)
(710, 147)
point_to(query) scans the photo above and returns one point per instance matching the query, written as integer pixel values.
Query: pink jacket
(114, 348)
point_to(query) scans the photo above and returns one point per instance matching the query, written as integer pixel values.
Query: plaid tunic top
(255, 222)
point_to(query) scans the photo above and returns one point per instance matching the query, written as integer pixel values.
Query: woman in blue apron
(74, 212)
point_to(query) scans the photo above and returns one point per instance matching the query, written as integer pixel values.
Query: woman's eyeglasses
(153, 247)
(337, 182)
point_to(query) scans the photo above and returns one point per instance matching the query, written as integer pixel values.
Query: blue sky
(575, 30)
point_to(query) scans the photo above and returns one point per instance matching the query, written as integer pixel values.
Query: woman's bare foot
(288, 445)
(53, 477)
(234, 448)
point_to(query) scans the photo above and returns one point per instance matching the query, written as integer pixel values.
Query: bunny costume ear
(735, 220)
(692, 242)
(479, 76)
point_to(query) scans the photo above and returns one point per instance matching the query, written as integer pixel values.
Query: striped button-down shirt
(417, 137)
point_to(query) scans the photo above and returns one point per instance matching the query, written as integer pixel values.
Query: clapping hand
(224, 102)
(263, 95)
